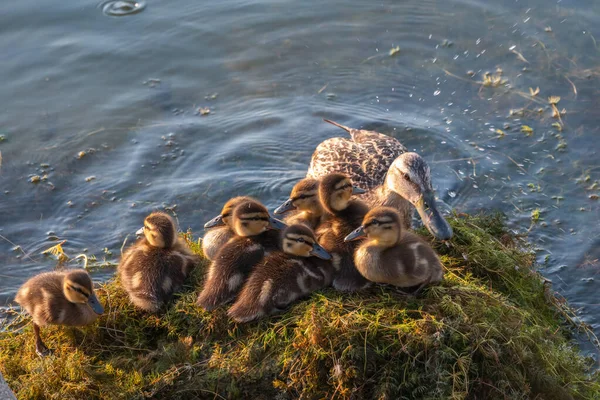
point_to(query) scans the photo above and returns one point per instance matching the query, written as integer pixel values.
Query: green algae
(492, 329)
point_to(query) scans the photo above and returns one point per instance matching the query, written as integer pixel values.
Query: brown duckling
(59, 298)
(256, 234)
(391, 255)
(303, 206)
(219, 228)
(284, 276)
(343, 216)
(156, 266)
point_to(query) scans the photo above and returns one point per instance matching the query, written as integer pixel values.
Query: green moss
(492, 329)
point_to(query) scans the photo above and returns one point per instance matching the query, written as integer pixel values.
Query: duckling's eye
(300, 240)
(78, 290)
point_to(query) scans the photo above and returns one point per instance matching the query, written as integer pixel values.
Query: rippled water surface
(184, 104)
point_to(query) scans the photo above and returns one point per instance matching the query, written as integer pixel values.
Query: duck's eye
(406, 177)
(300, 240)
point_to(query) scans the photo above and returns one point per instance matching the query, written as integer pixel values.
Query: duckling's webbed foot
(40, 348)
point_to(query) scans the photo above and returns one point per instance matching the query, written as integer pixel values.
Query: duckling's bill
(216, 221)
(285, 207)
(277, 224)
(432, 218)
(95, 304)
(357, 190)
(320, 252)
(356, 234)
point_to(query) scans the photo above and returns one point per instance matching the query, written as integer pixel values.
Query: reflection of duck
(255, 235)
(59, 298)
(284, 276)
(389, 255)
(156, 265)
(219, 228)
(343, 216)
(304, 200)
(382, 166)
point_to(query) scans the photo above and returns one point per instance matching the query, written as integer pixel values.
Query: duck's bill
(277, 224)
(320, 252)
(356, 234)
(357, 190)
(95, 304)
(140, 231)
(216, 221)
(432, 218)
(285, 207)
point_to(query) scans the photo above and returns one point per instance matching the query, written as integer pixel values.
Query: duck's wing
(365, 163)
(365, 158)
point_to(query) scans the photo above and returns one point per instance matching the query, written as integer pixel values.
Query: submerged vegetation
(492, 329)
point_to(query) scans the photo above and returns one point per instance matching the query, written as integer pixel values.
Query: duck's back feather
(365, 158)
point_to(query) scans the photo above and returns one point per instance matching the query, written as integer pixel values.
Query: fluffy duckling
(256, 234)
(391, 255)
(219, 228)
(343, 216)
(59, 298)
(304, 201)
(284, 276)
(157, 264)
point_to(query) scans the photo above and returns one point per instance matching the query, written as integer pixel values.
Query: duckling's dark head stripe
(304, 186)
(232, 204)
(250, 207)
(297, 230)
(78, 290)
(382, 216)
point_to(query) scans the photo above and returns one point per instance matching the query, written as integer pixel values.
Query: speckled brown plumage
(365, 158)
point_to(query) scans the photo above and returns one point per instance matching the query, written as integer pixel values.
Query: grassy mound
(492, 329)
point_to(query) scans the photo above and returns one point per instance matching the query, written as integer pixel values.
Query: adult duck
(382, 166)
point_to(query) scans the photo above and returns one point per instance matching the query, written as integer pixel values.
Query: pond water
(181, 105)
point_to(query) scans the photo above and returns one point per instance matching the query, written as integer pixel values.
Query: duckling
(59, 298)
(157, 264)
(391, 255)
(343, 216)
(304, 201)
(391, 176)
(219, 228)
(284, 276)
(256, 234)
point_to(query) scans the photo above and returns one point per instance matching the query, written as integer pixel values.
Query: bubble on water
(451, 193)
(120, 8)
(437, 92)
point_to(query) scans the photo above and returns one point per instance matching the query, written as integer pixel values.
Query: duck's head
(159, 230)
(304, 197)
(225, 217)
(335, 191)
(409, 176)
(382, 226)
(299, 240)
(78, 288)
(251, 218)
